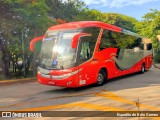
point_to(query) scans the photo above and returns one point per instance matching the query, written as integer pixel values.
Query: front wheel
(101, 78)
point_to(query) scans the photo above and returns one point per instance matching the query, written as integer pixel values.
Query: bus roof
(81, 24)
(130, 33)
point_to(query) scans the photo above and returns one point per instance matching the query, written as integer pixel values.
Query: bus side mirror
(32, 43)
(77, 37)
(149, 46)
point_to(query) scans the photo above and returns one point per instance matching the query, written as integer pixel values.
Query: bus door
(84, 59)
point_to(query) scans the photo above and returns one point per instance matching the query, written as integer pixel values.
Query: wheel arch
(102, 72)
(104, 69)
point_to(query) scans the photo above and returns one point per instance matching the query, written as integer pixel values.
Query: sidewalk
(14, 81)
(156, 65)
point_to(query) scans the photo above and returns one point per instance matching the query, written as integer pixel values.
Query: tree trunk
(35, 55)
(5, 65)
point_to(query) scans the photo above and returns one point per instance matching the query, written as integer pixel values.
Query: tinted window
(149, 46)
(87, 44)
(107, 40)
(119, 40)
(85, 52)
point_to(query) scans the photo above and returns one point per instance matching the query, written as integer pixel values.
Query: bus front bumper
(71, 81)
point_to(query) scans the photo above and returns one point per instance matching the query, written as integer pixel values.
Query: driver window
(86, 45)
(85, 51)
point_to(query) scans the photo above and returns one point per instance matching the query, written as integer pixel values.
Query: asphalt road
(136, 92)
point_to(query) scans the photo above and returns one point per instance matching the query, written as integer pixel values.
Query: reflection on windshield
(56, 51)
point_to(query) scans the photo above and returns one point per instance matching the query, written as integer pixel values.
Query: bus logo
(6, 114)
(55, 62)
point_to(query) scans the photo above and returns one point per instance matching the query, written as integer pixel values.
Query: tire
(101, 78)
(142, 68)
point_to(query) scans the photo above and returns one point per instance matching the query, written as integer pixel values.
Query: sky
(133, 8)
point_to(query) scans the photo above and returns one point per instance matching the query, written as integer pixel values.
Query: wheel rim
(143, 68)
(100, 78)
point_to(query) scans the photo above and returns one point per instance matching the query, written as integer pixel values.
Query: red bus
(81, 53)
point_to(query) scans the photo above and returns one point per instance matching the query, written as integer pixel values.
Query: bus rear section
(89, 52)
(147, 53)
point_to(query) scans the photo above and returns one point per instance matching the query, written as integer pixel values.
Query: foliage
(157, 57)
(21, 20)
(150, 25)
(120, 20)
(64, 10)
(90, 15)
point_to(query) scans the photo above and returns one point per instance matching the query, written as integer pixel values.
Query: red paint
(82, 24)
(76, 38)
(34, 41)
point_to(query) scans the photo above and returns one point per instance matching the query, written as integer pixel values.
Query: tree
(150, 26)
(90, 15)
(21, 20)
(121, 20)
(64, 10)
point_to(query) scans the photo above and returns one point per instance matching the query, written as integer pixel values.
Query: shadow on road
(130, 81)
(33, 93)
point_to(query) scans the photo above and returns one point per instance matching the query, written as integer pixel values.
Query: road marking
(110, 95)
(77, 104)
(52, 107)
(46, 99)
(106, 94)
(82, 105)
(100, 107)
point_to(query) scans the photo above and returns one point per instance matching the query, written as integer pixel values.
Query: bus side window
(85, 51)
(137, 44)
(86, 45)
(102, 44)
(106, 41)
(149, 46)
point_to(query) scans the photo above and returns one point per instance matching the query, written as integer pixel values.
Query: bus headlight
(64, 76)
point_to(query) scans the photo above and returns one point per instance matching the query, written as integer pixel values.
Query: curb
(9, 82)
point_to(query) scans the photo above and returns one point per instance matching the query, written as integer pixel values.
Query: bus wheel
(142, 68)
(101, 78)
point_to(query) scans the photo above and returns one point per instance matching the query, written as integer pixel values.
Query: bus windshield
(56, 51)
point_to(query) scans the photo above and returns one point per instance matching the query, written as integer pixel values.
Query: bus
(80, 53)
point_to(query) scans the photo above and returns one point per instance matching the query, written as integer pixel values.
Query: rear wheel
(142, 68)
(101, 78)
